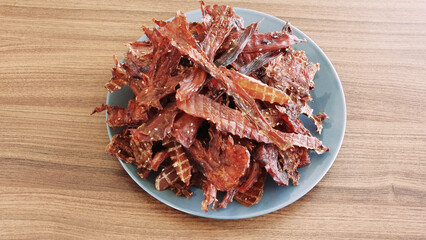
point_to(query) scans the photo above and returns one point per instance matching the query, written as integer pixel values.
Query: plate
(327, 97)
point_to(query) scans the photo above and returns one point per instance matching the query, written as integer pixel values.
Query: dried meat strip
(119, 77)
(258, 90)
(227, 199)
(209, 191)
(166, 178)
(290, 163)
(150, 96)
(141, 49)
(223, 163)
(180, 189)
(266, 42)
(233, 121)
(219, 20)
(226, 119)
(185, 129)
(267, 154)
(132, 70)
(254, 194)
(221, 23)
(159, 79)
(303, 155)
(258, 62)
(317, 119)
(133, 115)
(180, 160)
(191, 84)
(247, 181)
(292, 72)
(158, 127)
(158, 159)
(143, 156)
(236, 47)
(120, 147)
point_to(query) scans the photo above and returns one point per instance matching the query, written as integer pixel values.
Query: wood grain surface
(56, 182)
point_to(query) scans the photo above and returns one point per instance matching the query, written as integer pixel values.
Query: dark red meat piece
(267, 154)
(133, 115)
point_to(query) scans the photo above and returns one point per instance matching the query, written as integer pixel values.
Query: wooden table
(57, 182)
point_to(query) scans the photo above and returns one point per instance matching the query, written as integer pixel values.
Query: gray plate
(328, 97)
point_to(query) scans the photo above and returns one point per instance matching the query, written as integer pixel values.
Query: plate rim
(306, 190)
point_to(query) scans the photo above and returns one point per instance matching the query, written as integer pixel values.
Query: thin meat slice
(220, 20)
(166, 178)
(165, 59)
(158, 159)
(252, 175)
(151, 95)
(136, 66)
(233, 121)
(317, 119)
(303, 155)
(224, 162)
(290, 163)
(133, 115)
(253, 194)
(140, 49)
(181, 189)
(221, 23)
(258, 62)
(266, 42)
(158, 127)
(191, 84)
(119, 77)
(292, 72)
(246, 183)
(267, 154)
(120, 147)
(258, 90)
(226, 119)
(272, 116)
(185, 129)
(132, 70)
(180, 160)
(306, 141)
(160, 81)
(290, 115)
(209, 191)
(236, 46)
(143, 156)
(227, 199)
